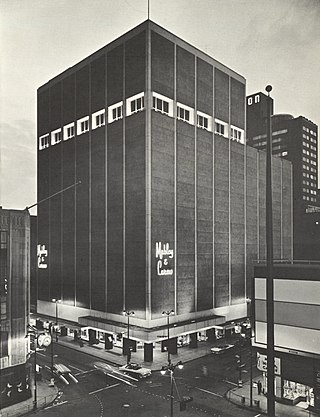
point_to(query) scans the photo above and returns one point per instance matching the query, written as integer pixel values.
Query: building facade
(169, 213)
(294, 139)
(14, 301)
(296, 331)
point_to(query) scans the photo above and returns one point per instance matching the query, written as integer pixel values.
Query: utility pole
(269, 278)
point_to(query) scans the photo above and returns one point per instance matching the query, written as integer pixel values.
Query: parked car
(221, 348)
(135, 370)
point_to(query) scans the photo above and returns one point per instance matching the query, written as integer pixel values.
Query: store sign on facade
(163, 254)
(262, 364)
(42, 254)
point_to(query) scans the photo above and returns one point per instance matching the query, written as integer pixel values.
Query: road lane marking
(258, 415)
(74, 367)
(41, 354)
(209, 392)
(102, 389)
(229, 382)
(85, 372)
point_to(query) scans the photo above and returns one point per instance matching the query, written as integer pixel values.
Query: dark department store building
(170, 211)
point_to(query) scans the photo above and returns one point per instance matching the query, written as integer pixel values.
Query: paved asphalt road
(96, 395)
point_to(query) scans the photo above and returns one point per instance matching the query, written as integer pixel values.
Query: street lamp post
(54, 300)
(32, 331)
(269, 284)
(168, 313)
(128, 314)
(170, 368)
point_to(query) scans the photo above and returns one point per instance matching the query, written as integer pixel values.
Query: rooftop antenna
(148, 9)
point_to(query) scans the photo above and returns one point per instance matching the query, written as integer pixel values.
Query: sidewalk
(45, 396)
(115, 356)
(241, 397)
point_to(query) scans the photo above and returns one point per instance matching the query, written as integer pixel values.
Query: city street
(205, 379)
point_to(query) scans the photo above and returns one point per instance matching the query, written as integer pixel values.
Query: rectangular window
(185, 113)
(204, 121)
(221, 128)
(162, 104)
(56, 136)
(83, 125)
(3, 344)
(68, 131)
(135, 104)
(44, 142)
(98, 119)
(237, 134)
(115, 112)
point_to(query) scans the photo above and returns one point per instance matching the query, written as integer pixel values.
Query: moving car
(221, 348)
(135, 370)
(64, 373)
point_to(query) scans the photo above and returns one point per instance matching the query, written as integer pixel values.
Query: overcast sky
(273, 42)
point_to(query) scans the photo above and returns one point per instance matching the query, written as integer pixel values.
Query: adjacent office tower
(294, 139)
(169, 212)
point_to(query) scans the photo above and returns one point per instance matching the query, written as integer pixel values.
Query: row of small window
(186, 114)
(309, 183)
(308, 168)
(307, 198)
(313, 140)
(306, 129)
(307, 190)
(98, 119)
(133, 105)
(307, 145)
(313, 155)
(306, 175)
(309, 161)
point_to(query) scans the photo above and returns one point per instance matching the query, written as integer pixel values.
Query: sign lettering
(163, 254)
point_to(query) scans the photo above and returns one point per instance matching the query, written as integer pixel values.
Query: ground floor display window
(298, 392)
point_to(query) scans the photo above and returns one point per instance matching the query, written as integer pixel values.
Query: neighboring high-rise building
(14, 303)
(169, 212)
(295, 139)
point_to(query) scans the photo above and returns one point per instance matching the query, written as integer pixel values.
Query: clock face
(44, 340)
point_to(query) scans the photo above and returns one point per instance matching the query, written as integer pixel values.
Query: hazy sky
(273, 42)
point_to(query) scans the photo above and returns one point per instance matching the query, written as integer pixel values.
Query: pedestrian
(259, 386)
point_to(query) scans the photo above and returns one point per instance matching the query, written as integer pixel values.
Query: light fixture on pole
(170, 368)
(54, 300)
(128, 314)
(168, 313)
